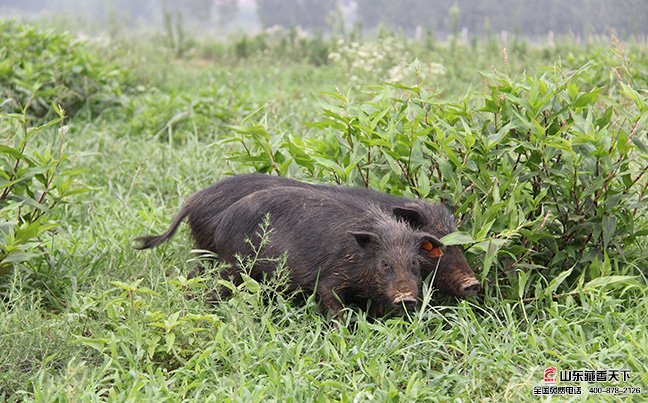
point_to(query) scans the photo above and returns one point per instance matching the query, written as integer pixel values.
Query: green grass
(108, 343)
(93, 319)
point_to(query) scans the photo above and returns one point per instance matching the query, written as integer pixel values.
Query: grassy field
(542, 151)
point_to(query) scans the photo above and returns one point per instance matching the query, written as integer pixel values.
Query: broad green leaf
(98, 344)
(557, 281)
(610, 281)
(457, 238)
(586, 99)
(11, 152)
(491, 254)
(609, 226)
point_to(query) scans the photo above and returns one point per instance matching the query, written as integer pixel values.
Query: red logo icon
(550, 375)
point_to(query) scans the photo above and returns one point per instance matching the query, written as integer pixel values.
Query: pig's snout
(470, 288)
(408, 300)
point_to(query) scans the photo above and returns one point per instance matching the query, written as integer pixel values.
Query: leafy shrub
(33, 183)
(547, 174)
(38, 68)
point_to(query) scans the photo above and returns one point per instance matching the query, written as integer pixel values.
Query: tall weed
(34, 182)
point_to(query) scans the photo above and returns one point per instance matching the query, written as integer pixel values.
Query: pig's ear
(431, 246)
(364, 239)
(411, 214)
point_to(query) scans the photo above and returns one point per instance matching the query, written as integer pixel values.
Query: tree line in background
(484, 17)
(536, 17)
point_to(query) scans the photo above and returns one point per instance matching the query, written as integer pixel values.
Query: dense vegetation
(545, 168)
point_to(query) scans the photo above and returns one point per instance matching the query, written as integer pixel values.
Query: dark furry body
(337, 250)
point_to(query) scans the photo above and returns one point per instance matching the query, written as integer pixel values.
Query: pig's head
(452, 274)
(392, 257)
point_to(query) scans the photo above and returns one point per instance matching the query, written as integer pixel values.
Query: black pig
(453, 277)
(341, 252)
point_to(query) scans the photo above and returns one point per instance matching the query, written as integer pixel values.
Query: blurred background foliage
(441, 17)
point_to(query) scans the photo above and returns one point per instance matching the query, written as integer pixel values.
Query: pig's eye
(386, 267)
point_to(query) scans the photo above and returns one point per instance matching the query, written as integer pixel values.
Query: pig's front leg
(330, 298)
